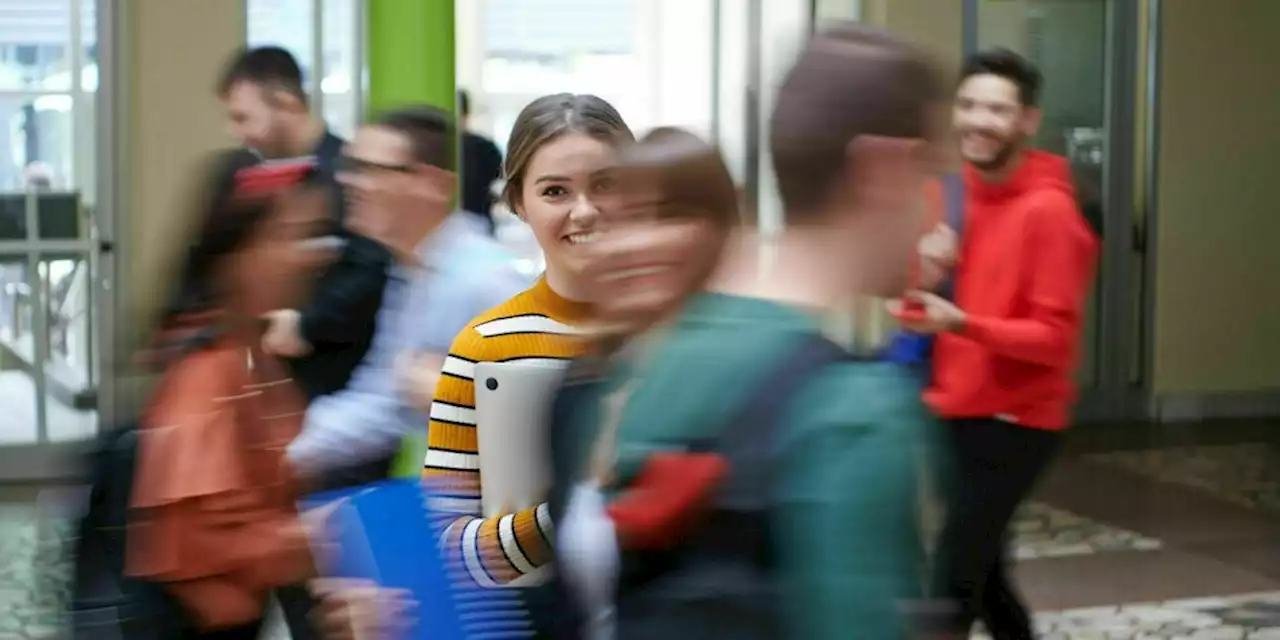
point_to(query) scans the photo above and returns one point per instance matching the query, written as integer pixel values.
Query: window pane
(534, 47)
(89, 42)
(35, 141)
(340, 80)
(70, 354)
(87, 110)
(340, 113)
(17, 390)
(34, 49)
(283, 23)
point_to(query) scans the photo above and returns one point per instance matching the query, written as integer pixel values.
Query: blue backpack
(913, 349)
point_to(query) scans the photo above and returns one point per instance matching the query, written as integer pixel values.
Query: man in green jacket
(853, 143)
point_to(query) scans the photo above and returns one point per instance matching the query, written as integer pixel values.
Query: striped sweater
(537, 323)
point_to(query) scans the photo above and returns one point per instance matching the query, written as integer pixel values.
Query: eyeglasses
(350, 164)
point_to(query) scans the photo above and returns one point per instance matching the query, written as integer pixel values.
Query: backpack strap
(953, 201)
(749, 440)
(953, 215)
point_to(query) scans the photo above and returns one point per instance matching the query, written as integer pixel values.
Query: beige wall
(167, 119)
(1217, 314)
(934, 25)
(176, 49)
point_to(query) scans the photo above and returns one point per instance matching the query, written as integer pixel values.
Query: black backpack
(720, 583)
(105, 602)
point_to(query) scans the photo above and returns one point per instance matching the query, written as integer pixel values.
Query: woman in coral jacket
(215, 519)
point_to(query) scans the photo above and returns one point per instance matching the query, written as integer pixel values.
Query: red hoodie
(1026, 263)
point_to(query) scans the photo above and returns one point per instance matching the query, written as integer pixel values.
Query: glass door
(1088, 53)
(49, 342)
(50, 246)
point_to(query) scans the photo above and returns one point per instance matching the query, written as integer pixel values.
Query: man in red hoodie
(1006, 349)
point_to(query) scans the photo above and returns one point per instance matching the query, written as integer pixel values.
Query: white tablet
(513, 408)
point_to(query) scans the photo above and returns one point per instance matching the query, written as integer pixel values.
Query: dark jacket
(340, 320)
(481, 167)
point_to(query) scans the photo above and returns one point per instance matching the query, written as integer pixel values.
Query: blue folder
(384, 533)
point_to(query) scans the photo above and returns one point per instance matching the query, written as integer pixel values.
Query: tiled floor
(1168, 530)
(29, 595)
(32, 570)
(1247, 617)
(1047, 532)
(1246, 474)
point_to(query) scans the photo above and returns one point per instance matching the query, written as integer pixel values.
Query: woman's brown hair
(689, 181)
(691, 176)
(547, 119)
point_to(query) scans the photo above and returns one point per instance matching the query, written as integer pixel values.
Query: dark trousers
(246, 632)
(296, 605)
(993, 466)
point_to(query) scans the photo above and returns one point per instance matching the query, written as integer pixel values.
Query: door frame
(1115, 395)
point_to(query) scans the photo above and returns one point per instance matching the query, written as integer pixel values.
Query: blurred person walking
(398, 174)
(212, 525)
(322, 339)
(1007, 347)
(661, 240)
(739, 475)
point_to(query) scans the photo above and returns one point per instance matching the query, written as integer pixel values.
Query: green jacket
(847, 526)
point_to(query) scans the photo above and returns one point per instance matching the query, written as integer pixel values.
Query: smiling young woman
(560, 159)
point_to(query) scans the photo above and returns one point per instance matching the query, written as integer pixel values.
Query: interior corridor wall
(1216, 311)
(166, 120)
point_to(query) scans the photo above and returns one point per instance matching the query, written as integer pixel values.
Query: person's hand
(360, 609)
(939, 246)
(308, 539)
(317, 527)
(416, 376)
(925, 312)
(283, 337)
(402, 209)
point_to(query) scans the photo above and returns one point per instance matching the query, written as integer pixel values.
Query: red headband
(270, 177)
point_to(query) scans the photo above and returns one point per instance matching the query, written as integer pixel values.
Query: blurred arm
(494, 550)
(348, 295)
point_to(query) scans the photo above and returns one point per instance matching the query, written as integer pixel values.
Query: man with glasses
(398, 174)
(399, 177)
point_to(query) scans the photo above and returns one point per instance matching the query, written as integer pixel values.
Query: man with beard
(1006, 348)
(323, 342)
(267, 111)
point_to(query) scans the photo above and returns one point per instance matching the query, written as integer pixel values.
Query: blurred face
(254, 120)
(271, 270)
(559, 199)
(370, 165)
(991, 121)
(650, 256)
